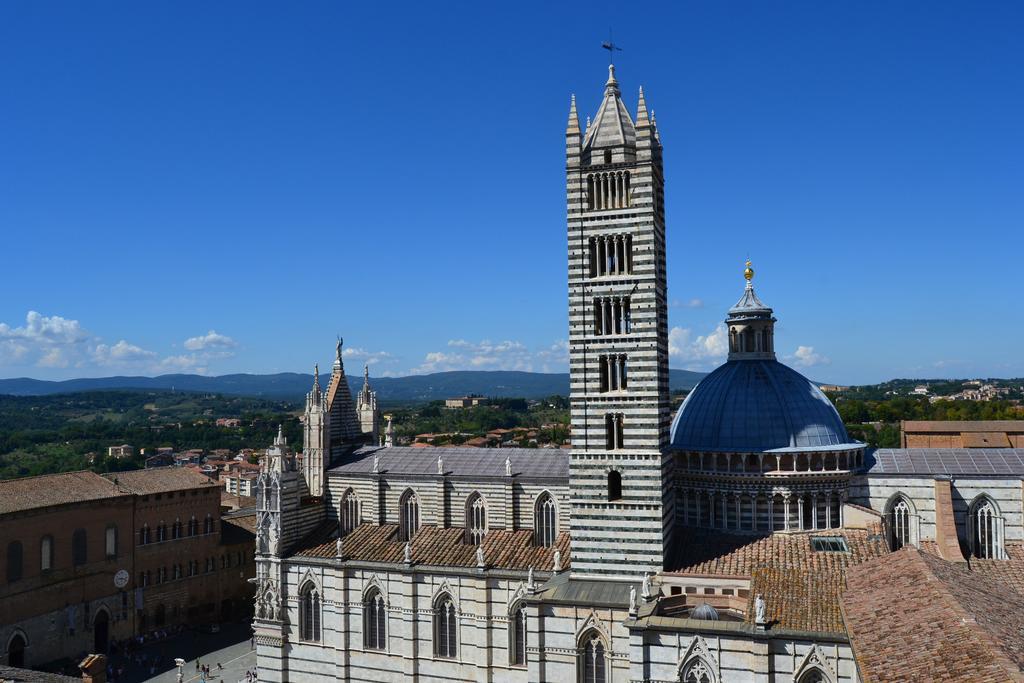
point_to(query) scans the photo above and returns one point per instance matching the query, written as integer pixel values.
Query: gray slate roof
(533, 463)
(953, 461)
(590, 592)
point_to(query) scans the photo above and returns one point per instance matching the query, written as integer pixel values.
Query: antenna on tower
(611, 47)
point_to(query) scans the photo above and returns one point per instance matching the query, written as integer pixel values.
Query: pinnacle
(641, 109)
(574, 120)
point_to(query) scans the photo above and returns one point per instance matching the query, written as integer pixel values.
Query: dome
(704, 611)
(757, 405)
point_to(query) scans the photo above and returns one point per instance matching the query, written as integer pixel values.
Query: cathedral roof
(612, 127)
(913, 616)
(958, 461)
(758, 405)
(539, 463)
(431, 545)
(802, 587)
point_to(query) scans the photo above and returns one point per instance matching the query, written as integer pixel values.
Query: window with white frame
(985, 533)
(349, 511)
(592, 666)
(517, 635)
(445, 627)
(374, 621)
(545, 520)
(309, 613)
(476, 519)
(408, 515)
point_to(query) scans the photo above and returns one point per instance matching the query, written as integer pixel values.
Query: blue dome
(758, 405)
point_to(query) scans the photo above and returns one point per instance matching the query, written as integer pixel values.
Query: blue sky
(224, 187)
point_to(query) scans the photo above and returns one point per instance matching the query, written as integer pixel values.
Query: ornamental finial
(748, 272)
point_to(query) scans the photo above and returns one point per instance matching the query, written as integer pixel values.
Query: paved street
(155, 662)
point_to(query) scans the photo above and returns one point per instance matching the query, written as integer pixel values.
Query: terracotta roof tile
(801, 587)
(503, 549)
(160, 480)
(30, 493)
(913, 616)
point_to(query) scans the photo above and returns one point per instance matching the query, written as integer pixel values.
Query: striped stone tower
(618, 342)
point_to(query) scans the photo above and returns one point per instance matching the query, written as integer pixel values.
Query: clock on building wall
(121, 578)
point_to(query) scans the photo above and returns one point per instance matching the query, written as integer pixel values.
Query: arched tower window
(614, 485)
(517, 635)
(698, 671)
(445, 627)
(309, 613)
(607, 156)
(374, 621)
(349, 511)
(110, 541)
(545, 520)
(592, 666)
(985, 533)
(476, 519)
(898, 519)
(208, 525)
(408, 515)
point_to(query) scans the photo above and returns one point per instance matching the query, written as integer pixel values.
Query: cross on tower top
(611, 47)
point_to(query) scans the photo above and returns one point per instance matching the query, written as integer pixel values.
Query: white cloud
(487, 355)
(700, 353)
(41, 329)
(57, 342)
(121, 352)
(691, 303)
(368, 357)
(806, 357)
(54, 358)
(210, 340)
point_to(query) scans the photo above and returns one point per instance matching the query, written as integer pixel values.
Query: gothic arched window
(697, 671)
(408, 515)
(349, 511)
(309, 613)
(476, 519)
(545, 520)
(985, 531)
(374, 621)
(110, 541)
(813, 676)
(208, 525)
(445, 625)
(592, 666)
(898, 519)
(517, 635)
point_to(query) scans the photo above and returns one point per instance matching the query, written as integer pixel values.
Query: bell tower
(618, 341)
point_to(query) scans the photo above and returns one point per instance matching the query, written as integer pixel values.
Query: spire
(573, 127)
(612, 126)
(611, 86)
(641, 110)
(366, 375)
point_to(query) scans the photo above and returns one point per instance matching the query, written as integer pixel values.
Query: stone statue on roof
(508, 466)
(632, 600)
(339, 552)
(759, 610)
(407, 553)
(646, 587)
(557, 563)
(530, 585)
(480, 557)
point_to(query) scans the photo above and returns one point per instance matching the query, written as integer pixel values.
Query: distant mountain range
(294, 385)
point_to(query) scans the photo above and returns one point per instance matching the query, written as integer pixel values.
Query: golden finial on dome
(748, 273)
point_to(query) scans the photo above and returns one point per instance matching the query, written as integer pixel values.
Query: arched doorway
(16, 652)
(160, 616)
(101, 632)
